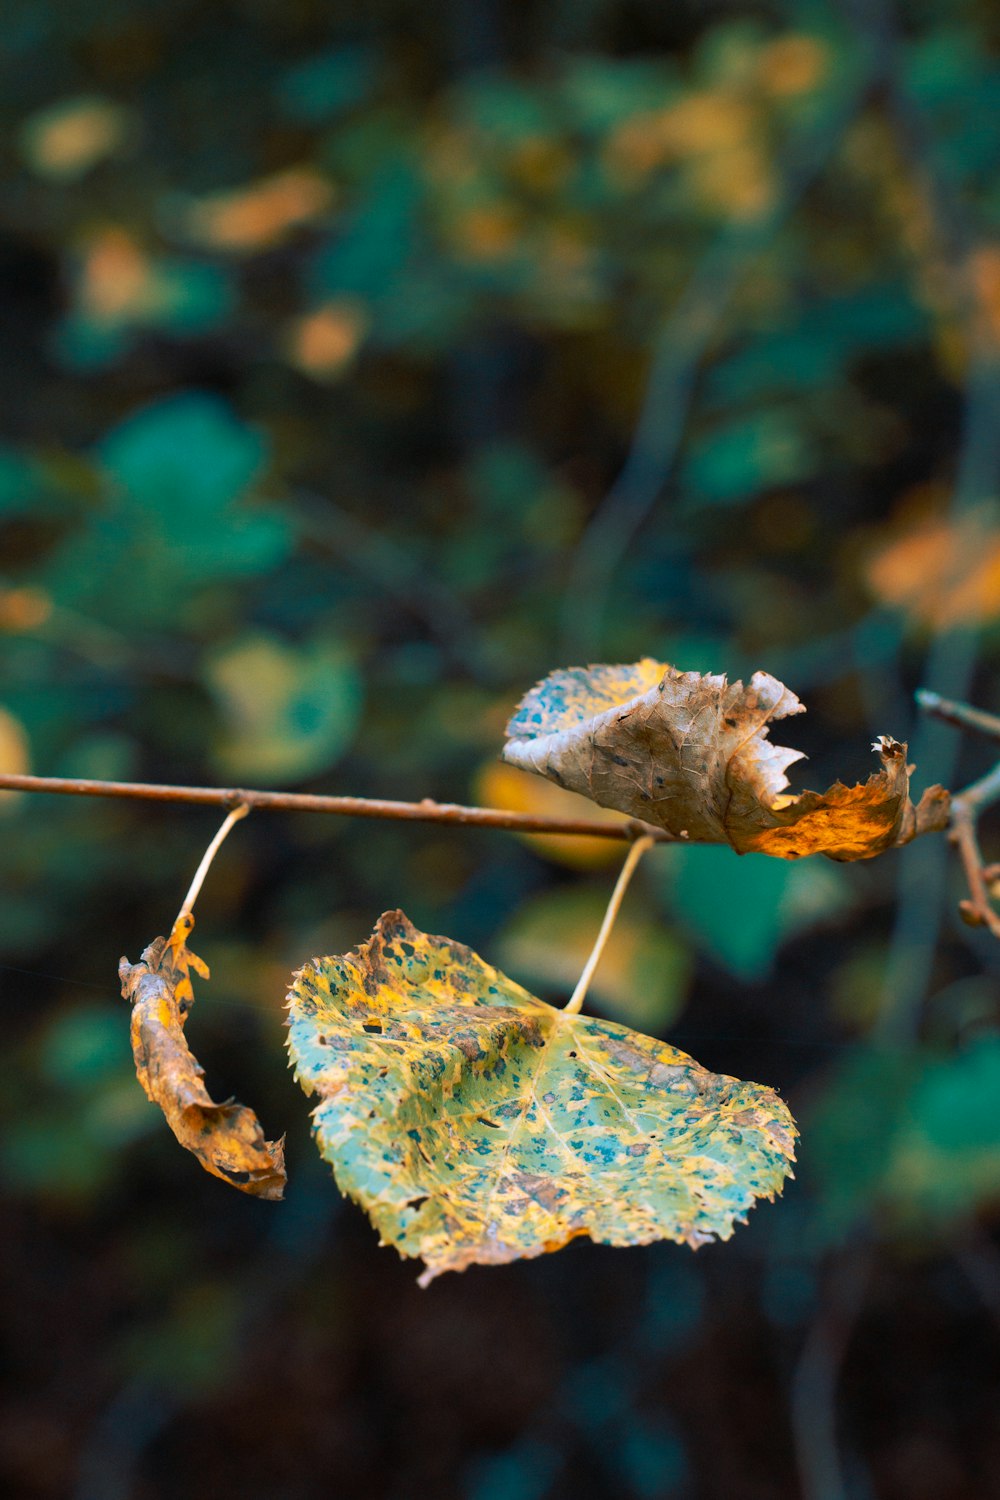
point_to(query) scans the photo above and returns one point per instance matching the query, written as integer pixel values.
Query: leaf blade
(477, 1125)
(691, 754)
(227, 1139)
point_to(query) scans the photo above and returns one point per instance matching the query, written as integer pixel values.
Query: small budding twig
(977, 910)
(574, 1004)
(187, 905)
(962, 715)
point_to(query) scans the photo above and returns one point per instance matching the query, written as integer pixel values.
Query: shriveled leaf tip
(691, 754)
(476, 1124)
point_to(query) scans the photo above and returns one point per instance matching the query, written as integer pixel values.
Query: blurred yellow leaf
(644, 968)
(24, 609)
(984, 273)
(15, 755)
(542, 163)
(715, 135)
(941, 572)
(67, 139)
(737, 182)
(691, 754)
(115, 282)
(260, 215)
(709, 121)
(477, 1125)
(488, 232)
(499, 785)
(792, 65)
(323, 343)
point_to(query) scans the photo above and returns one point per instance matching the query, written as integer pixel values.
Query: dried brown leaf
(226, 1138)
(691, 754)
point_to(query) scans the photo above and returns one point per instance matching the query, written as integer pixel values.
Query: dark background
(359, 366)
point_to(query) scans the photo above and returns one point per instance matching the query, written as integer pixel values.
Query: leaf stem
(425, 811)
(233, 817)
(574, 1004)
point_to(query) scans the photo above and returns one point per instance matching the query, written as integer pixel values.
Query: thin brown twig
(962, 715)
(425, 811)
(977, 909)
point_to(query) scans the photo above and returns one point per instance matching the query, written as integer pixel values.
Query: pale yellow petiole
(206, 860)
(574, 1004)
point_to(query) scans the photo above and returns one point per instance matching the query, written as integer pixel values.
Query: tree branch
(425, 811)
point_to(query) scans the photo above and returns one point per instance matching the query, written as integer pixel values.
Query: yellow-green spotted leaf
(691, 754)
(476, 1124)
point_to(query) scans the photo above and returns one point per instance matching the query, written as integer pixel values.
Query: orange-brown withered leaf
(226, 1138)
(691, 754)
(476, 1124)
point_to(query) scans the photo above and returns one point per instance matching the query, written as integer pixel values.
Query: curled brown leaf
(226, 1138)
(691, 754)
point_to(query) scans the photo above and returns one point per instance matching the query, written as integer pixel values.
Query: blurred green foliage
(327, 335)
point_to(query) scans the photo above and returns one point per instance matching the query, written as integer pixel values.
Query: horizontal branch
(426, 811)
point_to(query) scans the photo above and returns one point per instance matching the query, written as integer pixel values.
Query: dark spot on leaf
(491, 1123)
(373, 1026)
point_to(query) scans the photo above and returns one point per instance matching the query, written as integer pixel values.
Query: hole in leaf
(491, 1123)
(373, 1026)
(371, 1114)
(382, 1072)
(416, 1203)
(572, 1054)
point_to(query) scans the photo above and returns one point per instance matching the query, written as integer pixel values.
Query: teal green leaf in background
(177, 473)
(321, 87)
(741, 908)
(184, 455)
(912, 1138)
